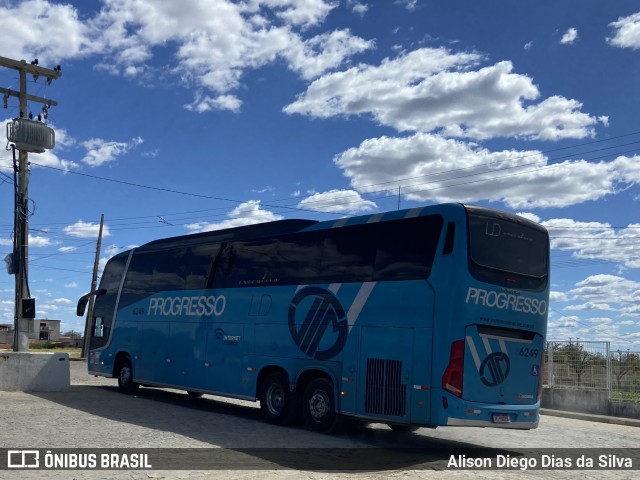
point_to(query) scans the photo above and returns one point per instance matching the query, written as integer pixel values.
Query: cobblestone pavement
(93, 414)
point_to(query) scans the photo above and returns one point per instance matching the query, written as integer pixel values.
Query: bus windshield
(517, 248)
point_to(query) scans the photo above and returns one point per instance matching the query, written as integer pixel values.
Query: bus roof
(248, 232)
(386, 216)
(282, 227)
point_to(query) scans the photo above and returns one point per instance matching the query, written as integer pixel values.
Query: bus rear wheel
(318, 406)
(125, 377)
(277, 402)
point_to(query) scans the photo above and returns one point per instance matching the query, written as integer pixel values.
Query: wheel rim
(275, 399)
(319, 405)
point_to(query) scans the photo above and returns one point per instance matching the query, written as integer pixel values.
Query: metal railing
(593, 366)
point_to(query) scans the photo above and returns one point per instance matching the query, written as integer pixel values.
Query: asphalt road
(94, 414)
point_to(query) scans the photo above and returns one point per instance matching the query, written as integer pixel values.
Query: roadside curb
(629, 422)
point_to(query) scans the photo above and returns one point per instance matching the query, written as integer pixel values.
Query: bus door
(151, 358)
(502, 366)
(385, 378)
(186, 354)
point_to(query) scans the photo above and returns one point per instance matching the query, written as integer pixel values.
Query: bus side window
(348, 255)
(406, 249)
(98, 330)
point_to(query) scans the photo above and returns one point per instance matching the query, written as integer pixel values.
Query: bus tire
(125, 377)
(318, 406)
(277, 402)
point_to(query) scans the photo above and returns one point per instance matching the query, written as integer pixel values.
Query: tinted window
(150, 272)
(348, 254)
(105, 304)
(507, 252)
(405, 249)
(249, 264)
(382, 251)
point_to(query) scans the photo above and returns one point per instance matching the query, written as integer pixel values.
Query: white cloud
(82, 229)
(296, 12)
(569, 37)
(247, 213)
(101, 151)
(64, 301)
(627, 323)
(267, 189)
(357, 7)
(71, 285)
(626, 32)
(323, 52)
(216, 41)
(410, 5)
(622, 293)
(67, 249)
(431, 168)
(528, 45)
(595, 240)
(40, 29)
(558, 296)
(563, 322)
(38, 241)
(204, 103)
(609, 293)
(337, 201)
(529, 216)
(589, 306)
(434, 89)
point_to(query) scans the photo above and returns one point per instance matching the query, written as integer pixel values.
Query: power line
(327, 203)
(335, 201)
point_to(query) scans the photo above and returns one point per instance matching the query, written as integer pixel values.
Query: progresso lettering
(506, 301)
(197, 306)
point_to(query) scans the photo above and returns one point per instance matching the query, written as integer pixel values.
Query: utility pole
(94, 279)
(28, 136)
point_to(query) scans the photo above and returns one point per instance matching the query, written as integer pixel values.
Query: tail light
(452, 378)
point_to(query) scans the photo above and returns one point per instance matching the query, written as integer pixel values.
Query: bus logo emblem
(494, 370)
(311, 312)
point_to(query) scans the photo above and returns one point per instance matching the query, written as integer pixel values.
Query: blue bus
(422, 317)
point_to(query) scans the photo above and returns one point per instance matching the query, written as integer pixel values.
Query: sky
(180, 117)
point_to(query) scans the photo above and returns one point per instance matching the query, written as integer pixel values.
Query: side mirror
(82, 303)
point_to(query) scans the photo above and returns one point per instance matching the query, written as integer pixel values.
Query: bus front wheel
(318, 406)
(125, 377)
(277, 402)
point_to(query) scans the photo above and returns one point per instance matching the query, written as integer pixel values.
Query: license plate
(501, 418)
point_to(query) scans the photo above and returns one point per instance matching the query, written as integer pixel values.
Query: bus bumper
(467, 414)
(98, 367)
